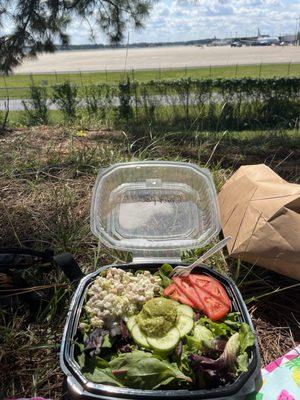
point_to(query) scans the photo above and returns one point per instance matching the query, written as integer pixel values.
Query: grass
(19, 118)
(46, 178)
(16, 85)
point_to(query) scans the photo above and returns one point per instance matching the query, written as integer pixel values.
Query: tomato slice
(210, 285)
(170, 289)
(214, 309)
(216, 301)
(185, 286)
(175, 293)
(202, 292)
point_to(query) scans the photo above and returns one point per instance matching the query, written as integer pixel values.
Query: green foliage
(235, 355)
(242, 362)
(218, 104)
(104, 376)
(217, 328)
(65, 96)
(4, 117)
(246, 341)
(201, 333)
(36, 108)
(198, 104)
(231, 351)
(1, 119)
(137, 369)
(99, 100)
(125, 94)
(164, 272)
(142, 370)
(246, 337)
(37, 25)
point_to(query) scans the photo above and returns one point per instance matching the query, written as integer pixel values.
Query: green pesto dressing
(157, 317)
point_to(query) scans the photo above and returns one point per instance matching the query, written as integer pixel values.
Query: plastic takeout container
(154, 207)
(154, 210)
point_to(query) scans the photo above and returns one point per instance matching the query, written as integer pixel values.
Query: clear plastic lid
(154, 206)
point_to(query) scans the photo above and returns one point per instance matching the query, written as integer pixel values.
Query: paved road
(17, 105)
(158, 57)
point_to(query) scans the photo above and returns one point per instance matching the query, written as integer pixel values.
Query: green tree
(35, 26)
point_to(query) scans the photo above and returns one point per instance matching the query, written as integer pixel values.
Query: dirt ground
(158, 57)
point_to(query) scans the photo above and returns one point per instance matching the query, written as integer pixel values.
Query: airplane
(266, 41)
(259, 40)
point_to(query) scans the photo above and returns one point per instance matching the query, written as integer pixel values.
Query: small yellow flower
(81, 133)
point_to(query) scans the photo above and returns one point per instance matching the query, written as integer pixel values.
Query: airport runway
(158, 57)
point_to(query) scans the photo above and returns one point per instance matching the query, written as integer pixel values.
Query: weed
(4, 117)
(36, 109)
(99, 101)
(125, 111)
(65, 96)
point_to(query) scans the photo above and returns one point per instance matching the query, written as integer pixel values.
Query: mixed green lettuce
(212, 355)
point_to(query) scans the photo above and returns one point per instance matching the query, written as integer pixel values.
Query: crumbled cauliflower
(119, 294)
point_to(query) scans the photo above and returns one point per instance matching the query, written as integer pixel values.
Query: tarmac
(158, 57)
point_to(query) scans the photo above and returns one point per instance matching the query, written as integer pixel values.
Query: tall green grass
(201, 104)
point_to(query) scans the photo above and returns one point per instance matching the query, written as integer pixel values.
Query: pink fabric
(281, 360)
(284, 395)
(270, 367)
(283, 383)
(291, 356)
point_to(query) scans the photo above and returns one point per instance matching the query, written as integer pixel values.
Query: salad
(148, 331)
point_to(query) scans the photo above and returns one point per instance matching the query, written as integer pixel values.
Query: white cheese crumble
(119, 294)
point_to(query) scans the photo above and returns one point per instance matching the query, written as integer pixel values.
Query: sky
(196, 19)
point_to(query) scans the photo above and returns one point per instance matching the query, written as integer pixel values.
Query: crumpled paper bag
(261, 212)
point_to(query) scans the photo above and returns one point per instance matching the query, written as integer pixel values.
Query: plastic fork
(182, 270)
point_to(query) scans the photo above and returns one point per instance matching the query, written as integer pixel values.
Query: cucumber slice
(202, 333)
(165, 343)
(184, 325)
(130, 323)
(139, 337)
(183, 309)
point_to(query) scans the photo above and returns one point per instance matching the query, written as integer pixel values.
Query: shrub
(203, 104)
(98, 100)
(65, 97)
(125, 111)
(223, 103)
(36, 108)
(4, 117)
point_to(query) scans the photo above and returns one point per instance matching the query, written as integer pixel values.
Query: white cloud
(219, 9)
(193, 19)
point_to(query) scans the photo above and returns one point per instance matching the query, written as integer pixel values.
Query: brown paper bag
(261, 212)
